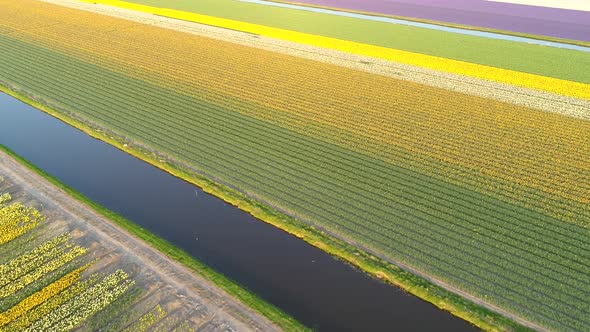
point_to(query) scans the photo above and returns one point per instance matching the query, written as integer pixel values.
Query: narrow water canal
(320, 291)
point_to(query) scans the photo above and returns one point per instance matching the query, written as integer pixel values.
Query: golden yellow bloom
(41, 296)
(16, 219)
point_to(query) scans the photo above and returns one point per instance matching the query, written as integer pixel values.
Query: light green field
(547, 61)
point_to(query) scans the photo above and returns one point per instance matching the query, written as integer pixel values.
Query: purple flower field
(561, 23)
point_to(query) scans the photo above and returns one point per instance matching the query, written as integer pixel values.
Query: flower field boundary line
(41, 296)
(537, 82)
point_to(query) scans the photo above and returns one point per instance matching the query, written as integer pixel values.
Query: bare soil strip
(544, 101)
(176, 284)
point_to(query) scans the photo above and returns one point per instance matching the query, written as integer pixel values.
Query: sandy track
(222, 309)
(540, 100)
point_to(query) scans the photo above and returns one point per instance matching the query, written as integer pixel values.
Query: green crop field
(535, 59)
(511, 256)
(481, 195)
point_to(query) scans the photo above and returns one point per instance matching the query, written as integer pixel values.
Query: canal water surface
(315, 288)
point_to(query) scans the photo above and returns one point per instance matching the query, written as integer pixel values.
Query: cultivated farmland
(486, 196)
(546, 61)
(498, 73)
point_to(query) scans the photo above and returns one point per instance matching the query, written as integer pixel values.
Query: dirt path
(222, 308)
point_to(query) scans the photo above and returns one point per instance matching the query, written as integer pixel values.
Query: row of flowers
(40, 272)
(4, 198)
(146, 321)
(41, 296)
(17, 219)
(87, 303)
(44, 309)
(31, 260)
(64, 303)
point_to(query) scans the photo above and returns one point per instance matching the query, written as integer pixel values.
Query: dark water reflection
(310, 285)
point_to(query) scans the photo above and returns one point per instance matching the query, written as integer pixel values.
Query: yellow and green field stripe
(554, 85)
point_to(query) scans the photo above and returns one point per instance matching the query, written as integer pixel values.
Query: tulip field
(56, 274)
(485, 196)
(361, 35)
(43, 287)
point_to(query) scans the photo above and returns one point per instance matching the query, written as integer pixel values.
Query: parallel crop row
(515, 257)
(518, 160)
(17, 219)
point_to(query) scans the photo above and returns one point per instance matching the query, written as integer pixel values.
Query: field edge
(481, 317)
